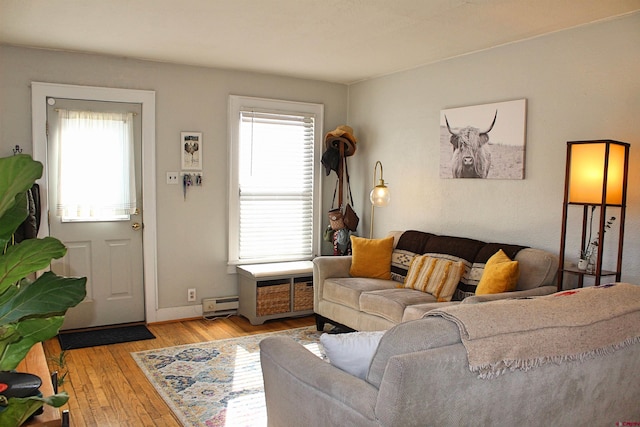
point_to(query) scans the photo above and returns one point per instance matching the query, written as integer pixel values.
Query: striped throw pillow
(438, 277)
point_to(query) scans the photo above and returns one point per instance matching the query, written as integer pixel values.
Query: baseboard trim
(178, 313)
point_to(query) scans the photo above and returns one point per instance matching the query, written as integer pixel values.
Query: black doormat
(106, 336)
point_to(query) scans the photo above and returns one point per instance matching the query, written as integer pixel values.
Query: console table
(275, 290)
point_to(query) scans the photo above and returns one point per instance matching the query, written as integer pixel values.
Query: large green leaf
(30, 331)
(8, 294)
(12, 218)
(17, 175)
(8, 335)
(49, 294)
(28, 257)
(21, 408)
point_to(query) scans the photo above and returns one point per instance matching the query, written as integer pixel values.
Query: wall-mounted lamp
(379, 196)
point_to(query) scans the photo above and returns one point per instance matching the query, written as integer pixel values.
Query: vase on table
(582, 264)
(591, 263)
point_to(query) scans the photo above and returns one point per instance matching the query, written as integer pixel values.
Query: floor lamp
(596, 177)
(379, 196)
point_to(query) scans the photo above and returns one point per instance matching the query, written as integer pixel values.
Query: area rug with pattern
(216, 383)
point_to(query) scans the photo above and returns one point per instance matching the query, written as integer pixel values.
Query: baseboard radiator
(220, 306)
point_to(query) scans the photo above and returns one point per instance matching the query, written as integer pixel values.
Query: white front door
(107, 250)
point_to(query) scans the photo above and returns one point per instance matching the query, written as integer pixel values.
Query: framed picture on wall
(191, 148)
(483, 141)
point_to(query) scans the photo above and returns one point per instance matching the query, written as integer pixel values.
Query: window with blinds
(275, 179)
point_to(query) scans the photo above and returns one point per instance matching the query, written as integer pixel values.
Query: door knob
(136, 226)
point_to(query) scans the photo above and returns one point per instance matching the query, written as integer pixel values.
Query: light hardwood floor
(107, 388)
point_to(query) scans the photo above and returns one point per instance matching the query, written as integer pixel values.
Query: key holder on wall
(190, 180)
(191, 159)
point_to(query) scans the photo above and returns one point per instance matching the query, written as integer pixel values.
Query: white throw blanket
(566, 326)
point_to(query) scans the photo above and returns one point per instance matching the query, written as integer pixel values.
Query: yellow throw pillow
(500, 275)
(371, 257)
(436, 276)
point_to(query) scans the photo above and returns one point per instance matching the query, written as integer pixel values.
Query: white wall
(192, 245)
(580, 84)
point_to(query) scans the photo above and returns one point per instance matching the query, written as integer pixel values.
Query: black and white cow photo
(483, 141)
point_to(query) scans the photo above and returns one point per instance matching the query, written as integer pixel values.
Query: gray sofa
(366, 304)
(420, 376)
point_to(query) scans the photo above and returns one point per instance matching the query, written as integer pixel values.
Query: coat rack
(341, 172)
(340, 144)
(344, 141)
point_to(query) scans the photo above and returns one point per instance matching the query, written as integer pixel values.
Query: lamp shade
(380, 196)
(590, 164)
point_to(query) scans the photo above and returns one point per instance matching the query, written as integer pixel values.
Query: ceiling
(343, 41)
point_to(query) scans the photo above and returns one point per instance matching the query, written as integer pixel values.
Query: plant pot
(582, 264)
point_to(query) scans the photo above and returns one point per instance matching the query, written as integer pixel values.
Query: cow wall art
(483, 141)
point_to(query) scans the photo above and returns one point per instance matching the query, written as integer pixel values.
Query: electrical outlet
(172, 177)
(191, 294)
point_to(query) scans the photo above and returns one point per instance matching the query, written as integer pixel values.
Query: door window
(96, 175)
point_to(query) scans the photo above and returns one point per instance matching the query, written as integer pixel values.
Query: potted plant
(31, 311)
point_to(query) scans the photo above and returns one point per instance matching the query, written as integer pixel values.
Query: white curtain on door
(96, 174)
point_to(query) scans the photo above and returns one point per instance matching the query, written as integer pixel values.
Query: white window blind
(276, 183)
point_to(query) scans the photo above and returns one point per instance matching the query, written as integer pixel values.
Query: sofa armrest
(537, 268)
(325, 267)
(418, 386)
(302, 389)
(535, 292)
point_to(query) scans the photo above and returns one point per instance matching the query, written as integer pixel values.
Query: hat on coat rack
(331, 160)
(342, 133)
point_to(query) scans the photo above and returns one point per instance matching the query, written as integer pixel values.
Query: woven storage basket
(303, 295)
(273, 299)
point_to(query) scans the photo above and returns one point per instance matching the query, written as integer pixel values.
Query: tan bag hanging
(335, 215)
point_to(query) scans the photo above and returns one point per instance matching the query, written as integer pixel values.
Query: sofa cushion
(459, 247)
(500, 275)
(537, 268)
(391, 303)
(346, 291)
(371, 257)
(400, 262)
(417, 311)
(351, 352)
(490, 250)
(410, 243)
(455, 249)
(438, 277)
(469, 283)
